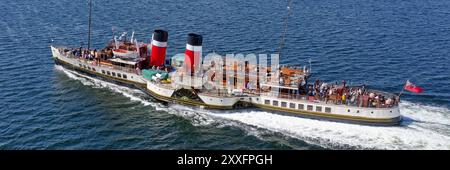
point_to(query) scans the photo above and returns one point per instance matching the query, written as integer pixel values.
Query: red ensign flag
(412, 87)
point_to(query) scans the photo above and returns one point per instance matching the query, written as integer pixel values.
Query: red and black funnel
(159, 46)
(193, 51)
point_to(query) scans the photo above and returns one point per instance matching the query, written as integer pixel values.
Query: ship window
(124, 76)
(357, 111)
(309, 107)
(301, 106)
(266, 101)
(119, 75)
(84, 66)
(283, 104)
(328, 109)
(113, 74)
(275, 103)
(93, 69)
(103, 71)
(89, 67)
(80, 65)
(109, 73)
(318, 108)
(292, 105)
(348, 110)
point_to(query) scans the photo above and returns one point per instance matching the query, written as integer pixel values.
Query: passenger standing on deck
(365, 101)
(344, 98)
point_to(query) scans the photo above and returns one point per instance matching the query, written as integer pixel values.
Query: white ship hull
(382, 116)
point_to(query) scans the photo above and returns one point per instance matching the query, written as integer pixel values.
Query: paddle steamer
(144, 66)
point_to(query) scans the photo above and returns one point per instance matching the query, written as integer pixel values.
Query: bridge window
(103, 71)
(292, 105)
(109, 73)
(266, 101)
(113, 74)
(124, 76)
(309, 107)
(93, 69)
(283, 104)
(301, 106)
(327, 109)
(119, 75)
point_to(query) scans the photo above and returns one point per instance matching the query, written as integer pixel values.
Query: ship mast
(89, 30)
(285, 27)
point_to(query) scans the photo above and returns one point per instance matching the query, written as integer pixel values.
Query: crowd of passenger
(91, 54)
(355, 96)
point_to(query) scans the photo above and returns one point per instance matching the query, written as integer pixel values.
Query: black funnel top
(160, 35)
(194, 39)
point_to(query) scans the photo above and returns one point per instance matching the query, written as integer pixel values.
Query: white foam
(426, 127)
(338, 135)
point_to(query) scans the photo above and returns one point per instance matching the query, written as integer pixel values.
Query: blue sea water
(380, 43)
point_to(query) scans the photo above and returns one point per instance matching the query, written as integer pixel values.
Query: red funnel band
(158, 55)
(192, 52)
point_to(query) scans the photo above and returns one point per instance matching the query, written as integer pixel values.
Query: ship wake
(424, 126)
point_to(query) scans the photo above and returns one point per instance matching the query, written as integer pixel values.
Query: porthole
(348, 110)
